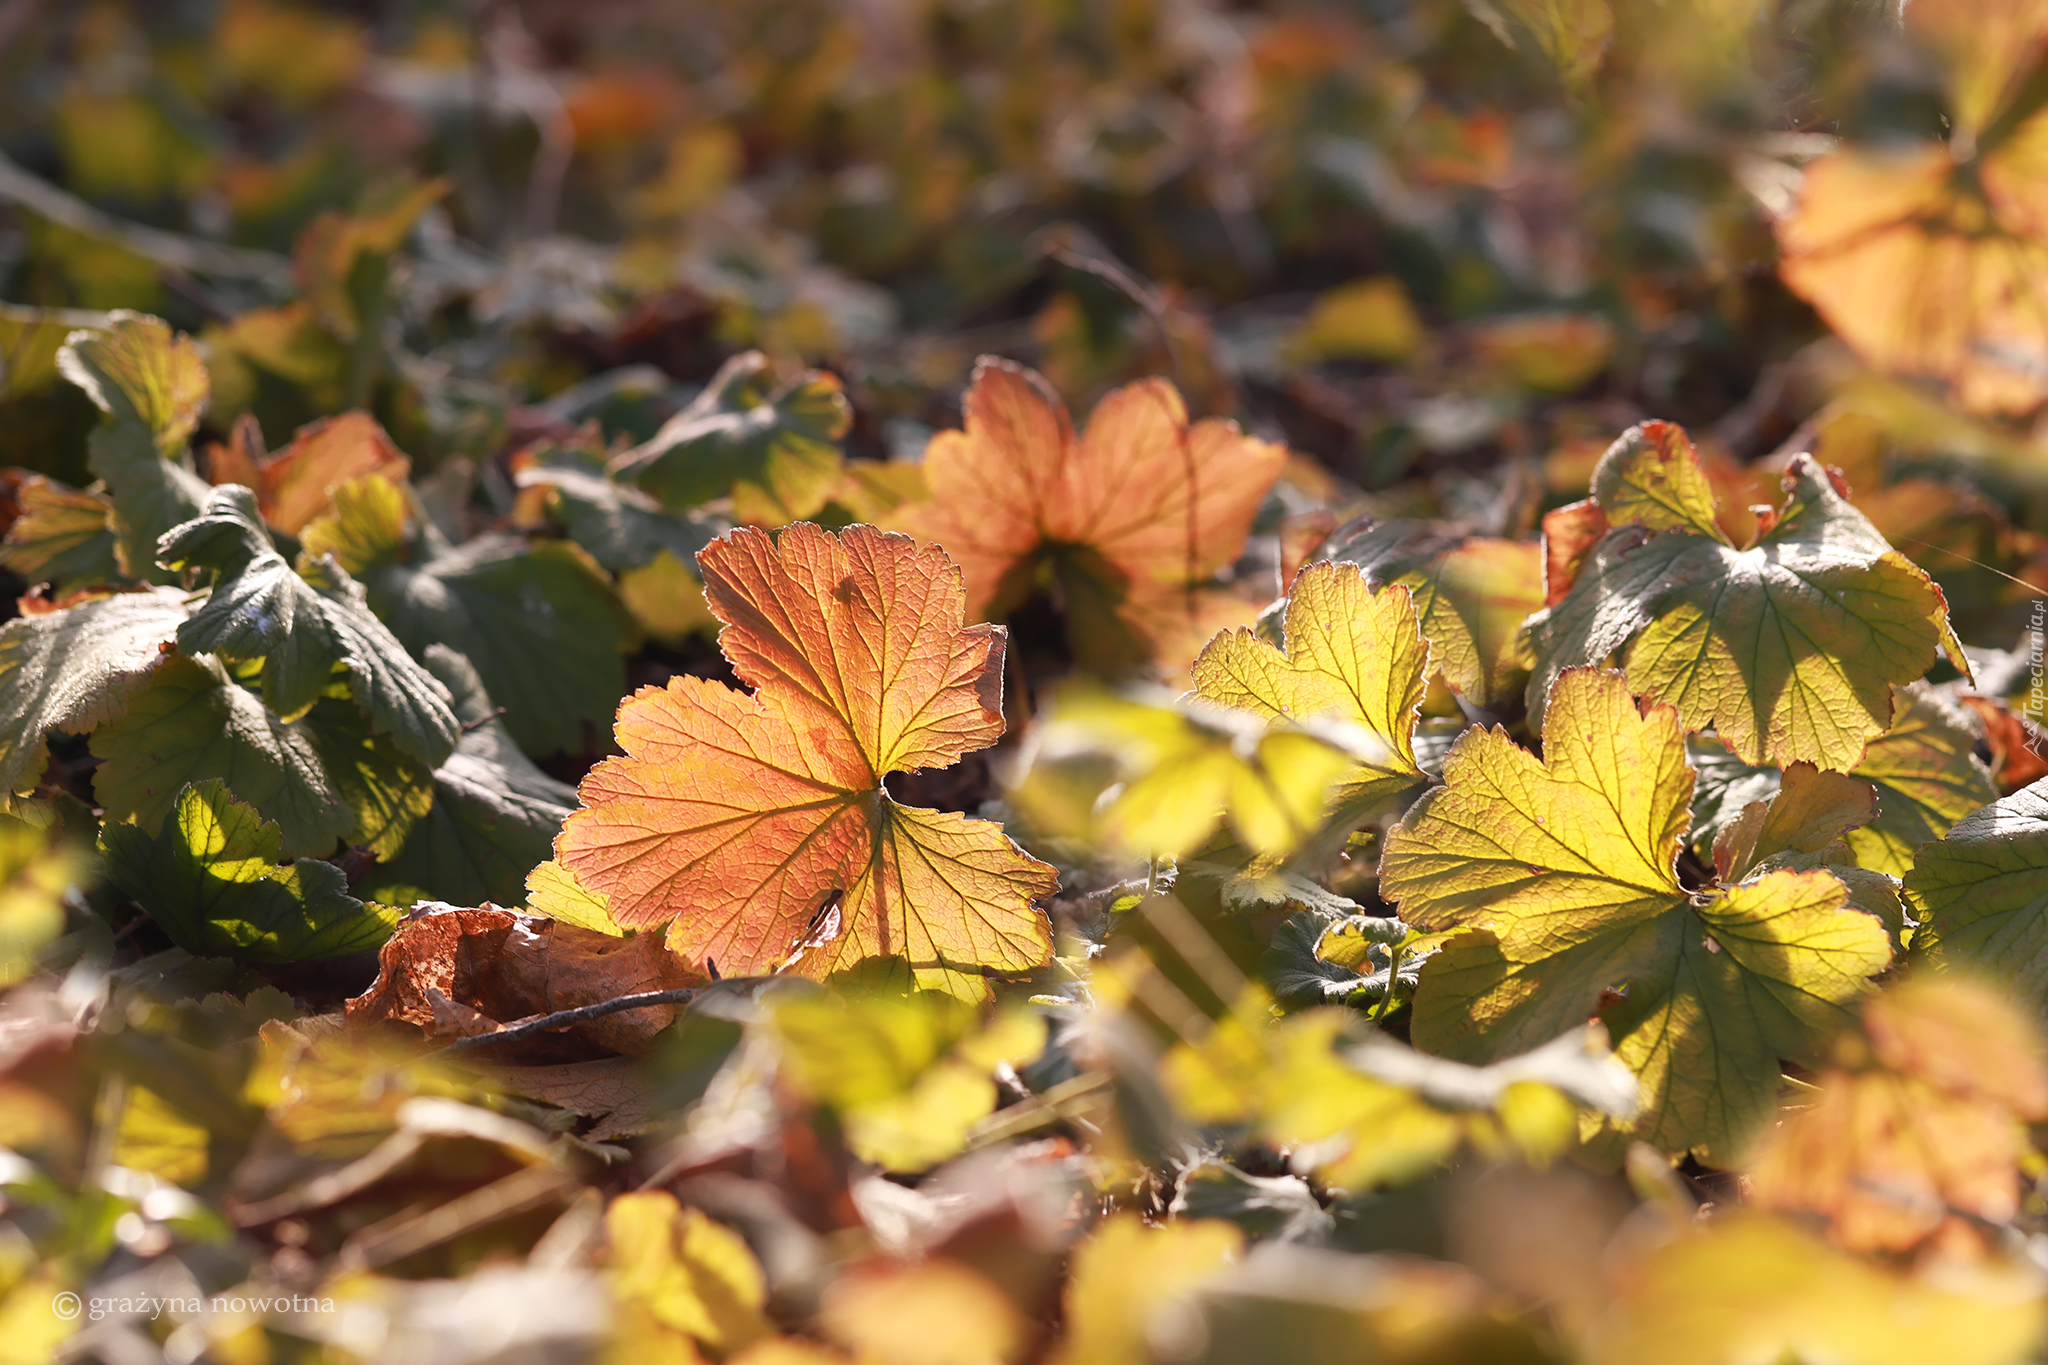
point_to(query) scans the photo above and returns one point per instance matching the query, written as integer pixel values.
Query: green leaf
(620, 526)
(1788, 648)
(302, 626)
(211, 880)
(538, 621)
(494, 816)
(152, 385)
(387, 790)
(1982, 892)
(1563, 872)
(193, 722)
(72, 669)
(774, 451)
(63, 537)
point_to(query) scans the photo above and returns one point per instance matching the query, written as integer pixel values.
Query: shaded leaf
(193, 722)
(302, 627)
(537, 621)
(1981, 893)
(211, 880)
(773, 450)
(758, 821)
(494, 814)
(72, 668)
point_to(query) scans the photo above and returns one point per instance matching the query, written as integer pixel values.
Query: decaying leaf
(758, 823)
(1788, 648)
(1130, 517)
(1563, 873)
(463, 972)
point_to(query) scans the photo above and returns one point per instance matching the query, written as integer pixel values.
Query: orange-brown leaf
(292, 486)
(1136, 510)
(757, 822)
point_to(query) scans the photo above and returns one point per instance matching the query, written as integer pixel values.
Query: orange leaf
(1132, 514)
(758, 821)
(292, 486)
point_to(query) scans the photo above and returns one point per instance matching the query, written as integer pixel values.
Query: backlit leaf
(1126, 1272)
(1565, 871)
(1131, 516)
(1471, 593)
(152, 386)
(1351, 654)
(693, 1274)
(35, 873)
(758, 823)
(1787, 648)
(211, 880)
(292, 486)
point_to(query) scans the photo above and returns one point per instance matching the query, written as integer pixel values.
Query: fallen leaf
(499, 967)
(758, 823)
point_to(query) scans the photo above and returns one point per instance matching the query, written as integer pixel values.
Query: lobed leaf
(1563, 873)
(302, 627)
(63, 537)
(1788, 648)
(758, 823)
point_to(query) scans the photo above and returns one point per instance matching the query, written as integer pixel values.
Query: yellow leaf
(693, 1274)
(1125, 1273)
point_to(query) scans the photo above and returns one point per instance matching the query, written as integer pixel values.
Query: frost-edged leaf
(758, 823)
(1130, 517)
(1981, 893)
(1788, 648)
(152, 386)
(71, 669)
(302, 627)
(1471, 595)
(774, 450)
(538, 621)
(63, 537)
(1349, 653)
(210, 878)
(1563, 872)
(193, 722)
(494, 814)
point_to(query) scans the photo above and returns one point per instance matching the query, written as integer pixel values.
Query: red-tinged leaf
(757, 822)
(1132, 514)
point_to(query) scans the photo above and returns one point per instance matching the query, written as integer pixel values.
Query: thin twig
(562, 1018)
(189, 254)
